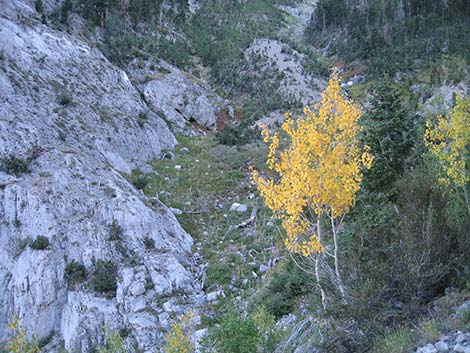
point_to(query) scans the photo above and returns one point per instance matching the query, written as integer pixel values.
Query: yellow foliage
(319, 172)
(449, 141)
(114, 343)
(20, 343)
(178, 340)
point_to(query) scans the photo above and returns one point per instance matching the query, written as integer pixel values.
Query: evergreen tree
(389, 131)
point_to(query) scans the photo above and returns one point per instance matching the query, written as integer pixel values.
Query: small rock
(459, 348)
(176, 211)
(178, 167)
(138, 305)
(286, 321)
(263, 268)
(463, 308)
(460, 338)
(441, 346)
(167, 155)
(184, 149)
(237, 207)
(429, 348)
(168, 307)
(205, 233)
(213, 296)
(197, 337)
(165, 321)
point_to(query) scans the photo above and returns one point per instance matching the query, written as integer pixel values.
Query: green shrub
(65, 99)
(66, 7)
(286, 284)
(142, 119)
(138, 179)
(14, 165)
(39, 6)
(114, 343)
(115, 231)
(239, 333)
(238, 135)
(118, 42)
(235, 334)
(463, 320)
(218, 274)
(40, 243)
(397, 341)
(46, 340)
(430, 330)
(149, 243)
(104, 277)
(75, 273)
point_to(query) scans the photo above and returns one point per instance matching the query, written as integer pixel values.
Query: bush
(104, 277)
(239, 333)
(115, 231)
(114, 343)
(19, 341)
(75, 273)
(178, 340)
(286, 285)
(218, 273)
(463, 319)
(397, 341)
(117, 42)
(142, 118)
(65, 99)
(430, 330)
(235, 334)
(14, 165)
(149, 243)
(39, 6)
(238, 135)
(67, 6)
(40, 243)
(138, 179)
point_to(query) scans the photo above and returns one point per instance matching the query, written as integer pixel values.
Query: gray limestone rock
(58, 93)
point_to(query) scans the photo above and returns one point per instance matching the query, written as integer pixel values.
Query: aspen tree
(317, 175)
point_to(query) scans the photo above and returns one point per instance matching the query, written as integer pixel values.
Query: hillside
(135, 209)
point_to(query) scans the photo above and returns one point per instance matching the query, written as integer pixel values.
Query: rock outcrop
(186, 103)
(272, 58)
(453, 342)
(78, 124)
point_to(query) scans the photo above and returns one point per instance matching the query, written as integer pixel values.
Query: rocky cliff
(71, 126)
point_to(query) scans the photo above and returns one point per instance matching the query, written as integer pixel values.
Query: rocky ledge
(82, 248)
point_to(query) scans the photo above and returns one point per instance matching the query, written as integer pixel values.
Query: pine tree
(389, 132)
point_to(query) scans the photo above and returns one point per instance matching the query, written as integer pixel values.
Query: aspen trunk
(336, 257)
(317, 265)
